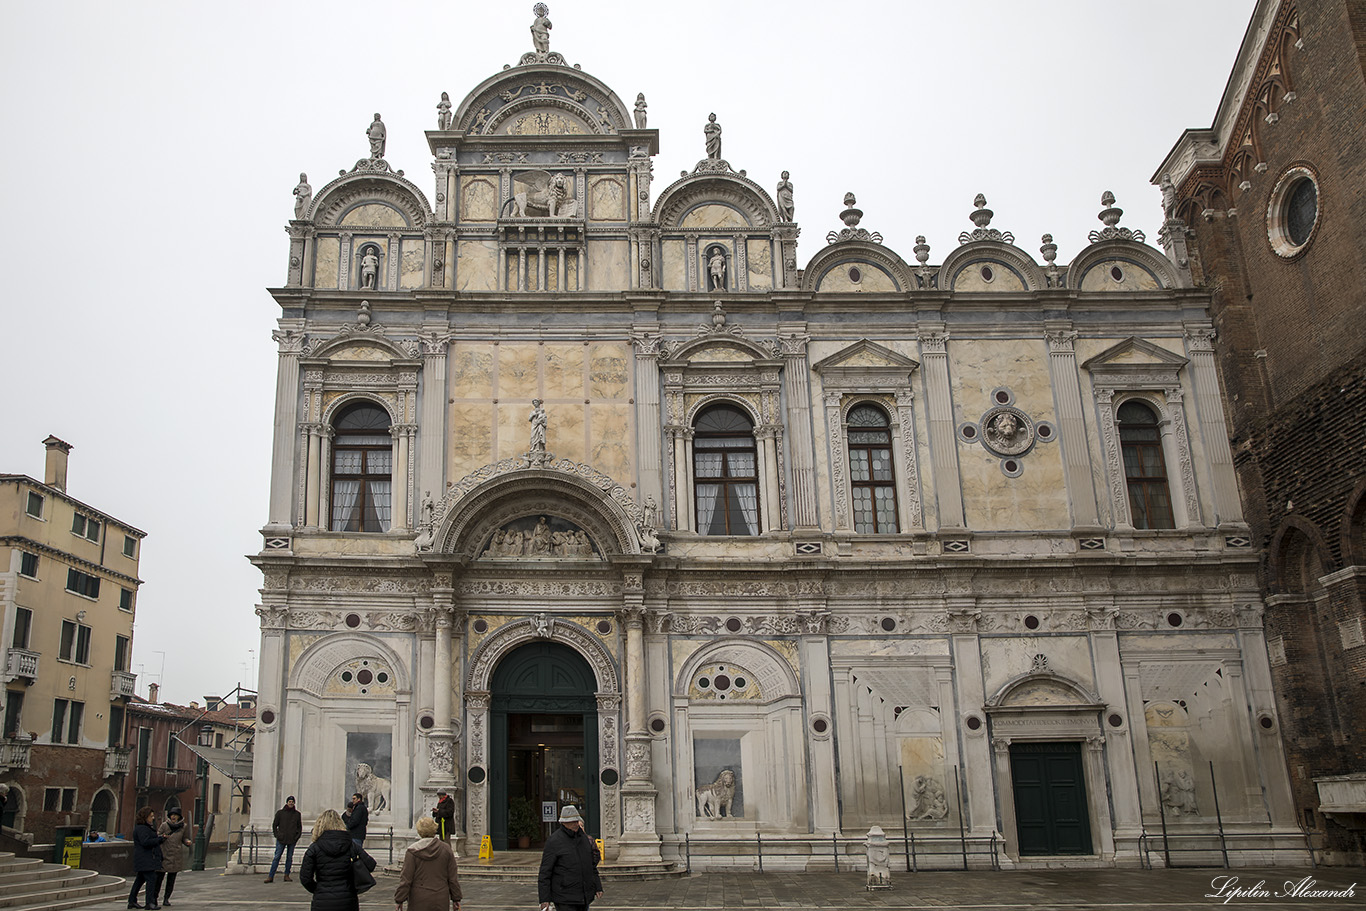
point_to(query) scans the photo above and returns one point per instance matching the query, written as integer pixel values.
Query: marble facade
(1007, 599)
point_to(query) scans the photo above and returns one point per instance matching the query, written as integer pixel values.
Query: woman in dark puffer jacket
(326, 870)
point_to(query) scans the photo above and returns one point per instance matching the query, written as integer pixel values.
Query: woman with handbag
(429, 881)
(335, 870)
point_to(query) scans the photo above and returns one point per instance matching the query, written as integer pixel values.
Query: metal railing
(848, 853)
(257, 846)
(160, 778)
(1212, 841)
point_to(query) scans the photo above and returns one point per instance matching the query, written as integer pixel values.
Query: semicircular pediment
(854, 266)
(1043, 690)
(1121, 265)
(990, 266)
(702, 201)
(537, 94)
(371, 200)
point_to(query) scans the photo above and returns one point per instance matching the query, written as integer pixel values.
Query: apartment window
(871, 478)
(82, 583)
(130, 546)
(34, 507)
(218, 745)
(725, 468)
(75, 644)
(362, 470)
(170, 751)
(217, 795)
(28, 564)
(66, 720)
(23, 626)
(125, 599)
(246, 800)
(86, 527)
(59, 800)
(123, 648)
(116, 725)
(1145, 471)
(14, 712)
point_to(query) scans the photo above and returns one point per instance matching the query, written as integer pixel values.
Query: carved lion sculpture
(548, 194)
(715, 799)
(374, 788)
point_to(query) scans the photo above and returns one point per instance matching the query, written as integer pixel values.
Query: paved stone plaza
(1074, 890)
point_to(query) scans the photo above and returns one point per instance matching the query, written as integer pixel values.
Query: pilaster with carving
(943, 438)
(792, 347)
(1228, 509)
(477, 756)
(283, 470)
(649, 348)
(1076, 453)
(1185, 459)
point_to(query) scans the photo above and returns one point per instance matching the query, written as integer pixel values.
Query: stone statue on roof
(540, 28)
(303, 195)
(640, 111)
(785, 198)
(443, 112)
(377, 135)
(713, 134)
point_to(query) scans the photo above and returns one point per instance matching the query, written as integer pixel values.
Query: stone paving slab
(1069, 890)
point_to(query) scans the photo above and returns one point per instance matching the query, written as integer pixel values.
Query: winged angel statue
(542, 194)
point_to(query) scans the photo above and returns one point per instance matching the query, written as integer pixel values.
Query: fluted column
(432, 422)
(648, 350)
(398, 515)
(797, 385)
(1076, 452)
(943, 438)
(769, 512)
(313, 485)
(1228, 509)
(283, 468)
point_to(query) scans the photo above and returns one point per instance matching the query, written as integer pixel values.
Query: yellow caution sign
(485, 850)
(71, 851)
(601, 851)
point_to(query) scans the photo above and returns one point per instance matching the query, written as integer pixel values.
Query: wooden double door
(1052, 815)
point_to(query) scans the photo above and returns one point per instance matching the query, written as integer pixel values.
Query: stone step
(524, 873)
(84, 887)
(30, 873)
(10, 864)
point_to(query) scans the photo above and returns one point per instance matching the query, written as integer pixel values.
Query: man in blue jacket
(569, 872)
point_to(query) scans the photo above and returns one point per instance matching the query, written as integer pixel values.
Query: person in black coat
(146, 859)
(326, 868)
(288, 827)
(355, 817)
(569, 876)
(444, 814)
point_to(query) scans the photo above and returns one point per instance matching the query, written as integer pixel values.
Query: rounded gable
(541, 99)
(370, 200)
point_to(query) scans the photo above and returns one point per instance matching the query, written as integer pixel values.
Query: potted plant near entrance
(522, 822)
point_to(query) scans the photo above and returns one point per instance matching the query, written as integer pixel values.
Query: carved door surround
(478, 702)
(1135, 368)
(721, 365)
(1042, 707)
(868, 372)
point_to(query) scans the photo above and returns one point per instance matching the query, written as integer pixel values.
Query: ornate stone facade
(850, 528)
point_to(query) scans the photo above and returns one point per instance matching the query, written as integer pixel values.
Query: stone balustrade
(122, 685)
(20, 662)
(14, 753)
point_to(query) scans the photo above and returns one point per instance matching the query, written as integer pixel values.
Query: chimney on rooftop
(54, 474)
(153, 689)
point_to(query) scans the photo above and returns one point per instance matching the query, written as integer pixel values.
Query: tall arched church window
(725, 471)
(362, 469)
(872, 479)
(1145, 471)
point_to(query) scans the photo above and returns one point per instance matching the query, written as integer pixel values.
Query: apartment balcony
(15, 752)
(156, 778)
(122, 686)
(21, 663)
(116, 761)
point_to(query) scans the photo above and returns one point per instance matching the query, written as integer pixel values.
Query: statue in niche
(303, 195)
(538, 545)
(785, 198)
(716, 268)
(640, 111)
(543, 625)
(713, 133)
(369, 270)
(1178, 792)
(538, 422)
(540, 28)
(928, 795)
(443, 112)
(373, 788)
(377, 135)
(714, 800)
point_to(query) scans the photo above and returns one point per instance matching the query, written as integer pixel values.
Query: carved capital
(1201, 339)
(1062, 341)
(289, 341)
(477, 701)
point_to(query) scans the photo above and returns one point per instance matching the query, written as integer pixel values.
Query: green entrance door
(544, 745)
(1050, 798)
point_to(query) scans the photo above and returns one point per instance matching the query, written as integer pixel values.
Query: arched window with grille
(725, 472)
(872, 480)
(362, 469)
(1145, 470)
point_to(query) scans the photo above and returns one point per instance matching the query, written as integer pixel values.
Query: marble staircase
(29, 884)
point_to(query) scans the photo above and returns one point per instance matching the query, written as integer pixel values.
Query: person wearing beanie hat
(177, 836)
(569, 875)
(288, 828)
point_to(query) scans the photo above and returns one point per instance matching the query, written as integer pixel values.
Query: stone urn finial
(850, 216)
(1110, 215)
(981, 215)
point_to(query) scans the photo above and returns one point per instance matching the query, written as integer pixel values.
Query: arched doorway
(543, 739)
(101, 810)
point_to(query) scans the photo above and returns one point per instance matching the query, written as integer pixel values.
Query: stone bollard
(879, 860)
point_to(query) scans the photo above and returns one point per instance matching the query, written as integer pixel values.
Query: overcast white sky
(152, 146)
